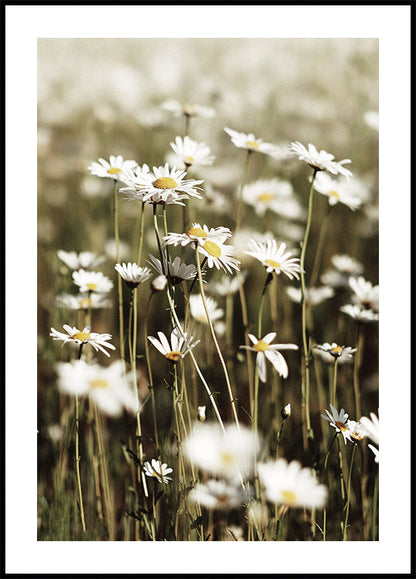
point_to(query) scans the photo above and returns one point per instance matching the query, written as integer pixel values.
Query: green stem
(334, 391)
(357, 364)
(319, 249)
(149, 372)
(344, 536)
(139, 253)
(77, 455)
(119, 280)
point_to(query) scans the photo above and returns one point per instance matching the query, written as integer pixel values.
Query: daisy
(190, 152)
(197, 309)
(133, 274)
(218, 494)
(228, 286)
(178, 347)
(345, 267)
(92, 281)
(357, 431)
(266, 350)
(359, 314)
(248, 141)
(291, 485)
(188, 109)
(198, 234)
(158, 470)
(218, 255)
(274, 258)
(83, 260)
(112, 168)
(371, 427)
(339, 421)
(337, 191)
(177, 270)
(364, 293)
(73, 335)
(110, 387)
(319, 161)
(222, 454)
(165, 185)
(274, 195)
(336, 351)
(313, 295)
(93, 301)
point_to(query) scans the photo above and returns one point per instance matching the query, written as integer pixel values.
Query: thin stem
(244, 315)
(319, 249)
(149, 372)
(77, 455)
(119, 281)
(344, 536)
(240, 195)
(334, 391)
(214, 337)
(357, 364)
(139, 253)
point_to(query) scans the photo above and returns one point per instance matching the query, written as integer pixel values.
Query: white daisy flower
(178, 347)
(75, 336)
(371, 427)
(320, 161)
(82, 260)
(196, 306)
(133, 274)
(275, 195)
(218, 255)
(198, 234)
(357, 431)
(359, 314)
(177, 270)
(291, 485)
(228, 285)
(336, 351)
(112, 168)
(222, 454)
(312, 295)
(93, 301)
(218, 494)
(274, 258)
(158, 470)
(250, 142)
(110, 387)
(364, 293)
(349, 193)
(266, 350)
(165, 185)
(190, 152)
(339, 421)
(345, 267)
(92, 281)
(188, 109)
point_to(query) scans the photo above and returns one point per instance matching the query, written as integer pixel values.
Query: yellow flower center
(174, 356)
(273, 263)
(261, 346)
(189, 160)
(114, 170)
(91, 286)
(334, 194)
(82, 336)
(253, 144)
(227, 457)
(165, 183)
(336, 349)
(341, 426)
(212, 248)
(84, 303)
(289, 497)
(99, 383)
(196, 232)
(265, 197)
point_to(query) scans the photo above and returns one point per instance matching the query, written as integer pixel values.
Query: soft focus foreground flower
(228, 286)
(312, 295)
(336, 351)
(345, 267)
(274, 258)
(359, 314)
(222, 454)
(348, 193)
(84, 301)
(320, 161)
(371, 427)
(75, 336)
(218, 494)
(82, 260)
(339, 421)
(158, 470)
(275, 195)
(164, 185)
(111, 388)
(291, 485)
(178, 347)
(92, 281)
(112, 168)
(133, 274)
(188, 109)
(197, 309)
(266, 350)
(191, 152)
(248, 141)
(364, 293)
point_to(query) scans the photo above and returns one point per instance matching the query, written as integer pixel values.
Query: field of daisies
(208, 290)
